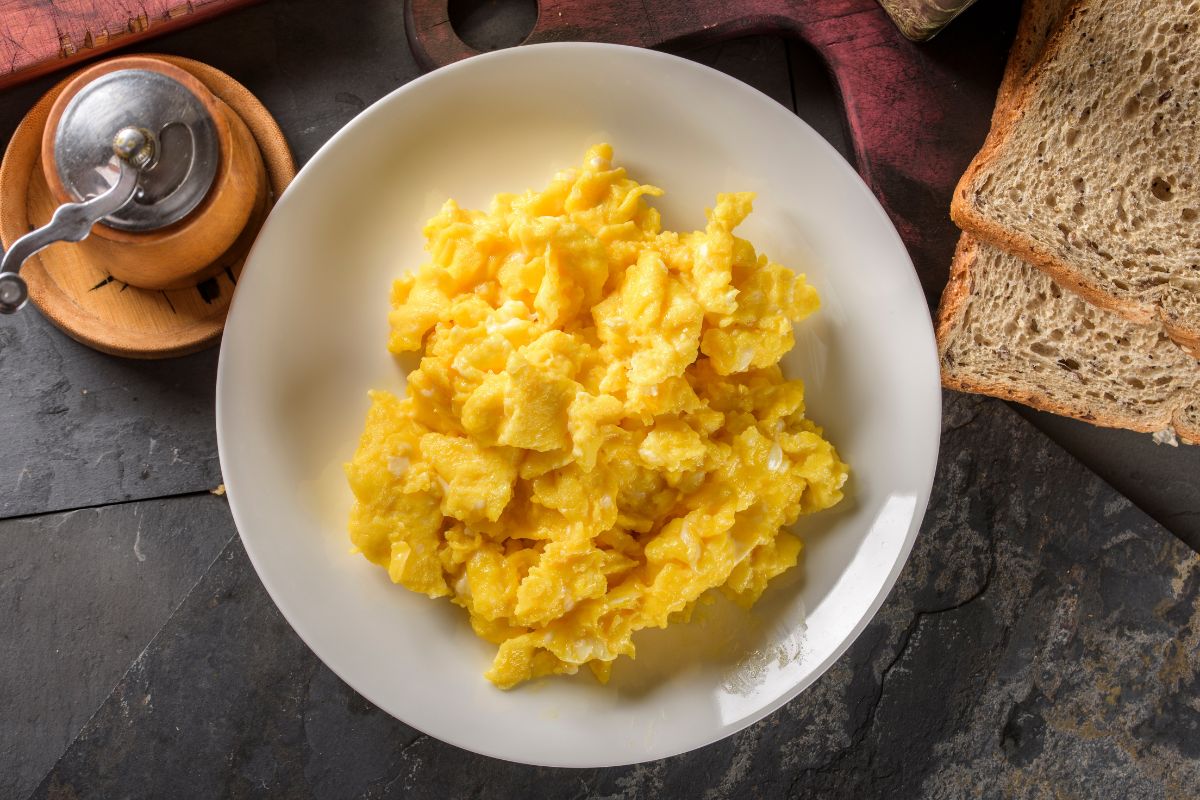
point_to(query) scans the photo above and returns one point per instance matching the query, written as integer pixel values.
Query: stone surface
(1162, 480)
(81, 594)
(81, 428)
(1031, 648)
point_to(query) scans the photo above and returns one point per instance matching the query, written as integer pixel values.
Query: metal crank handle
(73, 222)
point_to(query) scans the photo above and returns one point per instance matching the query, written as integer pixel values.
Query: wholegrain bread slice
(1093, 172)
(1008, 330)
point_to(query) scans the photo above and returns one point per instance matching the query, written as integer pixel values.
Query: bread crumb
(220, 490)
(1166, 436)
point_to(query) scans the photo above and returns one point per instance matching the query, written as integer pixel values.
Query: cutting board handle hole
(492, 24)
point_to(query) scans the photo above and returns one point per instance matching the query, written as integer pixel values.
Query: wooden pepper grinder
(161, 184)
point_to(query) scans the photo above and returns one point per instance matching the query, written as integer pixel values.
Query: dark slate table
(1041, 642)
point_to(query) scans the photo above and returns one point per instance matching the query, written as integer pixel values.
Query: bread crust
(967, 216)
(958, 289)
(1186, 433)
(1028, 50)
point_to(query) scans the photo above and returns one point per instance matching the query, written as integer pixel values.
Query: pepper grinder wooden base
(71, 284)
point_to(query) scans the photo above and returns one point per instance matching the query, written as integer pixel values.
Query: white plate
(306, 339)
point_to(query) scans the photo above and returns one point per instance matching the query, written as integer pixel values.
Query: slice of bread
(1006, 329)
(1094, 173)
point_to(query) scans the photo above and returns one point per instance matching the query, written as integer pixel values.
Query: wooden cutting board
(915, 112)
(39, 36)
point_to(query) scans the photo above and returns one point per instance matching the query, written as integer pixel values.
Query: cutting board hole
(493, 24)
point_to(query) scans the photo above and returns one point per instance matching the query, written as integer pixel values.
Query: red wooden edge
(38, 36)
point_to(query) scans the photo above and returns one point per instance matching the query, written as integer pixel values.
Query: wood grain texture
(40, 36)
(910, 134)
(185, 253)
(73, 286)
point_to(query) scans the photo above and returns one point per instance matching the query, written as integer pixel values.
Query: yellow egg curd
(599, 431)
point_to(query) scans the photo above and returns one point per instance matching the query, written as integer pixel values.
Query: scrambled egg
(599, 431)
